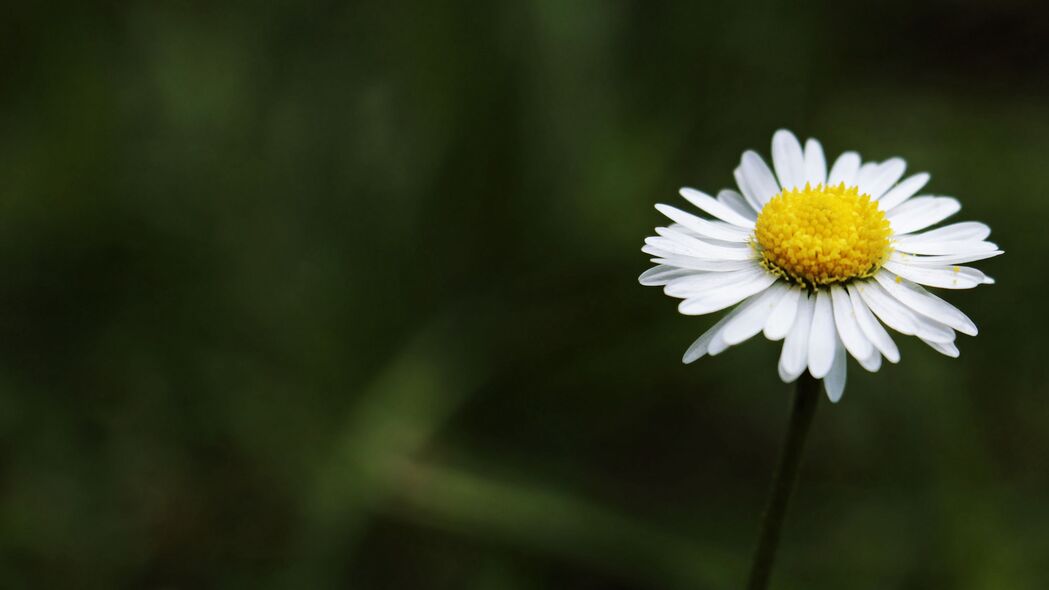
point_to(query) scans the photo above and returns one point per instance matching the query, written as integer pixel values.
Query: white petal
(844, 169)
(948, 348)
(921, 212)
(822, 337)
(926, 303)
(780, 322)
(717, 343)
(725, 296)
(941, 248)
(698, 283)
(795, 354)
(788, 159)
(750, 322)
(715, 207)
(661, 275)
(717, 230)
(873, 361)
(702, 264)
(953, 277)
(886, 175)
(895, 315)
(848, 329)
(834, 382)
(871, 328)
(702, 249)
(815, 163)
(933, 331)
(865, 175)
(748, 193)
(662, 247)
(677, 227)
(698, 349)
(737, 203)
(944, 260)
(903, 191)
(964, 231)
(758, 177)
(901, 318)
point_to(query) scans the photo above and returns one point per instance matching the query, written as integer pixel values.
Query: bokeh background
(344, 295)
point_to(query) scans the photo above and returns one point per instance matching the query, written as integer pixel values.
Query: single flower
(816, 259)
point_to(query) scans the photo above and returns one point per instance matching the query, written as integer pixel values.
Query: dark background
(307, 294)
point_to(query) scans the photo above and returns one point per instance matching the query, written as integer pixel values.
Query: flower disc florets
(822, 235)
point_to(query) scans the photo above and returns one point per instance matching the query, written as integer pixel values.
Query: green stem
(806, 397)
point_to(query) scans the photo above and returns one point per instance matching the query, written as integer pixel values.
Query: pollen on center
(822, 235)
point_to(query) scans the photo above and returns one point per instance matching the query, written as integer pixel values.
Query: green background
(309, 295)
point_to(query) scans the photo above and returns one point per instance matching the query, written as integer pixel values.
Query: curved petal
(900, 317)
(895, 315)
(926, 303)
(703, 264)
(714, 207)
(737, 203)
(699, 248)
(662, 274)
(725, 296)
(947, 348)
(952, 277)
(717, 230)
(834, 382)
(748, 193)
(718, 343)
(934, 261)
(921, 212)
(780, 322)
(873, 362)
(903, 191)
(815, 163)
(965, 231)
(758, 177)
(795, 353)
(749, 323)
(884, 176)
(788, 159)
(871, 328)
(698, 283)
(698, 348)
(945, 248)
(664, 248)
(848, 328)
(865, 175)
(822, 337)
(844, 169)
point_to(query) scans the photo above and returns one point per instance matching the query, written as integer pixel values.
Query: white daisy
(816, 259)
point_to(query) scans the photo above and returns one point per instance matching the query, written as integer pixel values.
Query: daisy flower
(819, 260)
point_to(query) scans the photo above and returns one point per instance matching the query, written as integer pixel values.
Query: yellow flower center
(822, 235)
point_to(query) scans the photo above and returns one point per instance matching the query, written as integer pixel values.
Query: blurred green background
(344, 295)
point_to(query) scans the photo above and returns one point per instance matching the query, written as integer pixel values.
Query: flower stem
(806, 397)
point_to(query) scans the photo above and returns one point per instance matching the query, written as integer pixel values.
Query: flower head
(816, 259)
